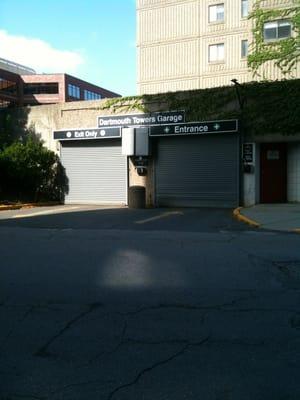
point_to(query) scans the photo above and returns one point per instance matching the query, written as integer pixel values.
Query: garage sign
(128, 120)
(89, 133)
(195, 128)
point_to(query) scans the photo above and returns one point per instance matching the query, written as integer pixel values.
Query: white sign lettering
(191, 129)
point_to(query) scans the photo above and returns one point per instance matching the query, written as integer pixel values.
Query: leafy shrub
(29, 171)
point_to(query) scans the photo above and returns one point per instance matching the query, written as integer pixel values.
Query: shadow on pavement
(161, 219)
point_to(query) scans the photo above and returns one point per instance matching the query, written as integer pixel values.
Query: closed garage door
(96, 170)
(197, 171)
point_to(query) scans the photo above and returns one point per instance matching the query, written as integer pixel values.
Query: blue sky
(91, 39)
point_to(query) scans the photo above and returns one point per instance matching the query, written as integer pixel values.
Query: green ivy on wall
(270, 107)
(285, 52)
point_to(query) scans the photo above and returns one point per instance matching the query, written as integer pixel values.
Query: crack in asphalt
(158, 342)
(184, 306)
(19, 321)
(23, 396)
(109, 352)
(77, 384)
(281, 265)
(42, 351)
(184, 341)
(239, 342)
(146, 370)
(261, 309)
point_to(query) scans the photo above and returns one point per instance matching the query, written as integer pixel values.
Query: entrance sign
(195, 128)
(156, 118)
(88, 133)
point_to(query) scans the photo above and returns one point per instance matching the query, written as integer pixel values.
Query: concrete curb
(237, 214)
(28, 205)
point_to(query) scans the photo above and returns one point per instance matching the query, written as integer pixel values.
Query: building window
(216, 52)
(40, 88)
(8, 87)
(244, 48)
(245, 8)
(216, 13)
(277, 30)
(74, 91)
(88, 95)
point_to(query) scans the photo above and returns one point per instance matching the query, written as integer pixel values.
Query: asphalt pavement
(109, 217)
(115, 304)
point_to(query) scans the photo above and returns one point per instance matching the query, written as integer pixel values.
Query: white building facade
(196, 44)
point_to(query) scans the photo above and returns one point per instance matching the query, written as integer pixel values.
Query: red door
(273, 180)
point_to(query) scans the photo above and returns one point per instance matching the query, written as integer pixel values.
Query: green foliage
(285, 52)
(199, 105)
(13, 128)
(123, 104)
(270, 107)
(29, 171)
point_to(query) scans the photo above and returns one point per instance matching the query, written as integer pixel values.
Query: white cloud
(38, 54)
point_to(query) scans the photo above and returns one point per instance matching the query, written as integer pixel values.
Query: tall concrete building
(194, 44)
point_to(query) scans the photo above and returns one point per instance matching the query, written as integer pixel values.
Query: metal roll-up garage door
(96, 171)
(197, 171)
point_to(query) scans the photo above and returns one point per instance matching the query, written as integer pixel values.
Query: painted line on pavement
(44, 212)
(164, 215)
(237, 214)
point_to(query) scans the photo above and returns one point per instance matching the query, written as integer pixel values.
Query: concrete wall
(48, 118)
(293, 171)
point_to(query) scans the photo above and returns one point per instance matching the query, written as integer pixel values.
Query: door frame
(263, 149)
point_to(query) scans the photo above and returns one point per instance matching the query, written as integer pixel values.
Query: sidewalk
(281, 217)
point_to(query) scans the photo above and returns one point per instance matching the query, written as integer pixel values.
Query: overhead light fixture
(239, 97)
(235, 81)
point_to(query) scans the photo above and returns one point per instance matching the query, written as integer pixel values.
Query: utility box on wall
(135, 141)
(128, 141)
(141, 141)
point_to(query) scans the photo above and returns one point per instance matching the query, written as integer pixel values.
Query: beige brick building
(194, 44)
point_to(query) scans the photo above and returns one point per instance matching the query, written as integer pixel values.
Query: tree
(29, 171)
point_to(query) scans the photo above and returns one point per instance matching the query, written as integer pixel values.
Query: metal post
(241, 101)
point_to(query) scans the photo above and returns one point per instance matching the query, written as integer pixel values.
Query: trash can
(136, 197)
